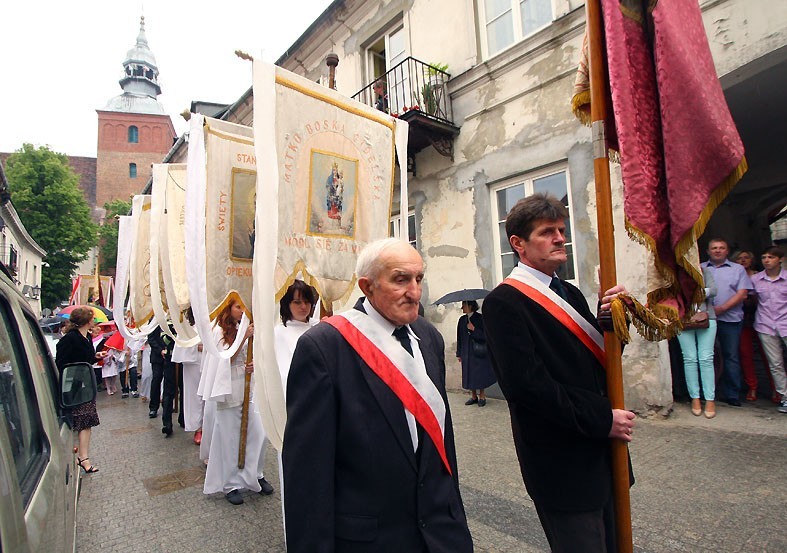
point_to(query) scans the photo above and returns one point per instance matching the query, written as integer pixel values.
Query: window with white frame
(508, 193)
(394, 228)
(505, 22)
(385, 54)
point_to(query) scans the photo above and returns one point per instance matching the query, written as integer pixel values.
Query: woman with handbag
(77, 347)
(696, 344)
(477, 373)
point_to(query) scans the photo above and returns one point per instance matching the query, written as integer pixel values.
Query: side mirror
(77, 385)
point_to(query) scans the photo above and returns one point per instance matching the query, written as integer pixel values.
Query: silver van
(39, 477)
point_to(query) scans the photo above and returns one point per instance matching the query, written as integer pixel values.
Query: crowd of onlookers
(745, 312)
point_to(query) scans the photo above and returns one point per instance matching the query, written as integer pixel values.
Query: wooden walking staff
(608, 276)
(244, 410)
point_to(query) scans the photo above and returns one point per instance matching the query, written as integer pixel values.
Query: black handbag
(478, 348)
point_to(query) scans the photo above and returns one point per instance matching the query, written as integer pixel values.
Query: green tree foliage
(108, 234)
(45, 192)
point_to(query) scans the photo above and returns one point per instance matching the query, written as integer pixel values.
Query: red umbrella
(115, 341)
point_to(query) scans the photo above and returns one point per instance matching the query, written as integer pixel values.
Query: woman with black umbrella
(477, 373)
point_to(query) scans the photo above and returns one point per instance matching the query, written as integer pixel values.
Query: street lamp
(35, 292)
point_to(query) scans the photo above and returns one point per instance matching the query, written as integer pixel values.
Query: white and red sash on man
(560, 309)
(400, 372)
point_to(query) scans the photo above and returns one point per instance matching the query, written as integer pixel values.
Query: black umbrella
(51, 324)
(463, 295)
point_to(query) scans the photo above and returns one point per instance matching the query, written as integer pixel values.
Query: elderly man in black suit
(369, 458)
(547, 350)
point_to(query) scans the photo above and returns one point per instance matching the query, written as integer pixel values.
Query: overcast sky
(62, 60)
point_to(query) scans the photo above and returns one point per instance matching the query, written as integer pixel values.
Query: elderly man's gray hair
(368, 264)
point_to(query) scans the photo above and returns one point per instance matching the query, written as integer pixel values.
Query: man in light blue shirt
(732, 287)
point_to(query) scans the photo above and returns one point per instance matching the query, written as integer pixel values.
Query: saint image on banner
(244, 200)
(333, 181)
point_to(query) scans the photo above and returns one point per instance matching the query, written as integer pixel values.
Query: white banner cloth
(325, 184)
(221, 183)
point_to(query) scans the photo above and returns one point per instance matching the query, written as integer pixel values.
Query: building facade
(21, 255)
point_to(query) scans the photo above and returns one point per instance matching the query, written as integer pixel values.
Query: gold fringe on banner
(660, 323)
(718, 196)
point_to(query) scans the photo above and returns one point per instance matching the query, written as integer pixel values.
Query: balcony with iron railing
(10, 258)
(417, 93)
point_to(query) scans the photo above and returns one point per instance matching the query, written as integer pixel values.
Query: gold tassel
(620, 321)
(580, 105)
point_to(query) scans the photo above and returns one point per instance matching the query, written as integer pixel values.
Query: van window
(41, 360)
(29, 447)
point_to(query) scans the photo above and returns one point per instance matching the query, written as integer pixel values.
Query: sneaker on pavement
(782, 408)
(234, 497)
(124, 395)
(134, 394)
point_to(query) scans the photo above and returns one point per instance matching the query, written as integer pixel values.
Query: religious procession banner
(139, 268)
(169, 206)
(84, 290)
(127, 235)
(219, 222)
(325, 185)
(157, 247)
(679, 149)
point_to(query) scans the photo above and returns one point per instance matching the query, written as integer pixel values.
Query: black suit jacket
(556, 392)
(352, 481)
(158, 344)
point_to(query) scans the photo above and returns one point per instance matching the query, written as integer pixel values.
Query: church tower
(134, 131)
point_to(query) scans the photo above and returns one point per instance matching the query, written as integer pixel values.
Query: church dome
(140, 52)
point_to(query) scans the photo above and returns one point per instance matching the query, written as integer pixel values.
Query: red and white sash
(560, 309)
(399, 370)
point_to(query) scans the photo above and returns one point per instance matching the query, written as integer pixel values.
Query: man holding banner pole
(369, 457)
(548, 352)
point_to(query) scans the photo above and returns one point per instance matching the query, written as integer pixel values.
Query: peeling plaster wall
(431, 25)
(740, 32)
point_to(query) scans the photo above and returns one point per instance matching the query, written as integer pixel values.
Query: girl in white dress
(295, 308)
(222, 387)
(114, 363)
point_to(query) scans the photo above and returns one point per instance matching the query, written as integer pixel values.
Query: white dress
(285, 338)
(191, 359)
(114, 363)
(147, 373)
(221, 386)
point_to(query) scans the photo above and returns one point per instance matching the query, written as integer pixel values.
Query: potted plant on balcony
(431, 90)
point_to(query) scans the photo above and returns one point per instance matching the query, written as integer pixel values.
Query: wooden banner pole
(244, 412)
(608, 276)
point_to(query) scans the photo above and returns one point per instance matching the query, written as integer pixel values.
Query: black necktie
(557, 287)
(401, 334)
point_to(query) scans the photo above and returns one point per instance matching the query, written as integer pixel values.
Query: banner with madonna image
(325, 187)
(219, 226)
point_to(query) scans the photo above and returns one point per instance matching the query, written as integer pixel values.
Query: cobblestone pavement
(702, 485)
